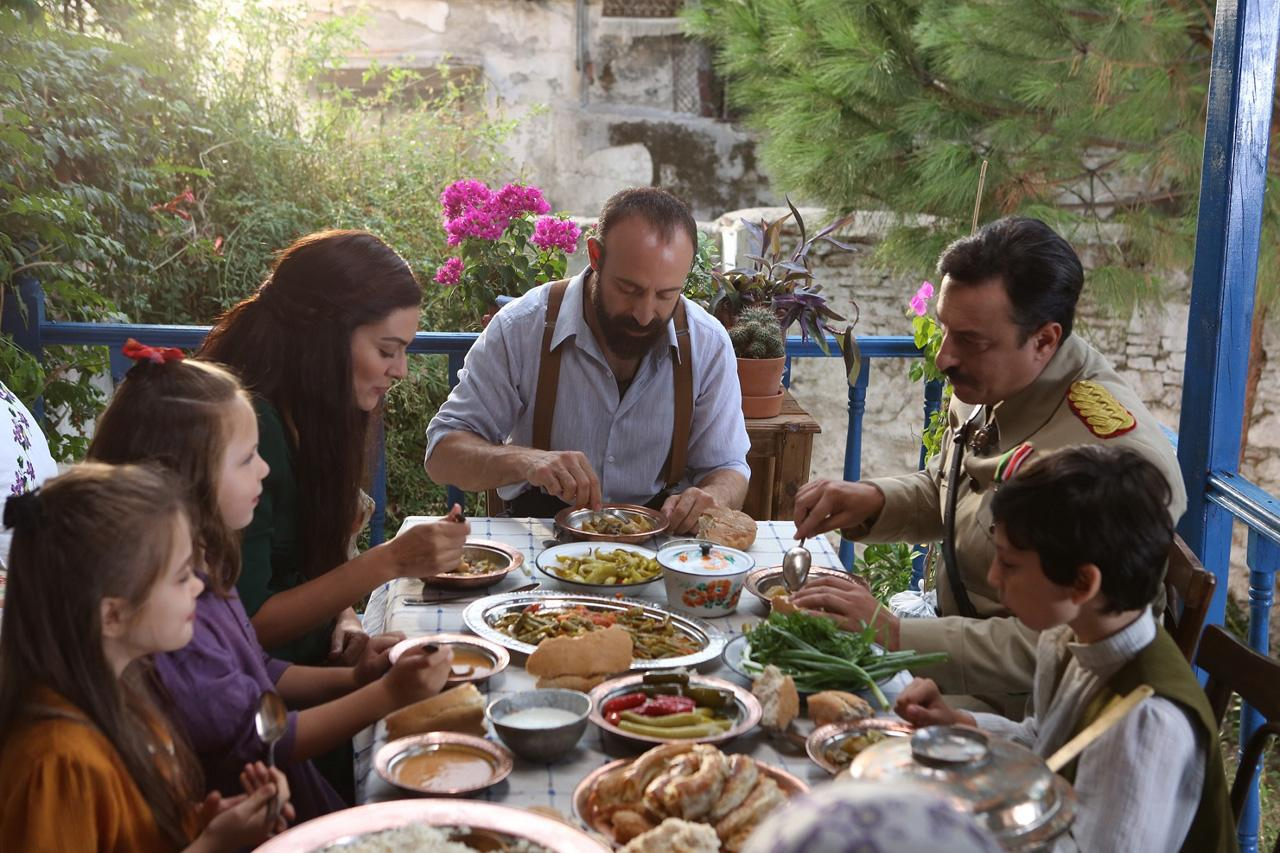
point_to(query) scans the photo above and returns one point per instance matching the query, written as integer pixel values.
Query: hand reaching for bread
(418, 673)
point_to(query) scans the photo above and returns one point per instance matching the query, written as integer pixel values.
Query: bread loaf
(458, 710)
(727, 527)
(836, 706)
(582, 662)
(778, 696)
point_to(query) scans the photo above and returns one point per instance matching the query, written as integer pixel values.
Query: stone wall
(628, 110)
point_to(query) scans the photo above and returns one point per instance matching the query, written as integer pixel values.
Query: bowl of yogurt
(541, 725)
(703, 578)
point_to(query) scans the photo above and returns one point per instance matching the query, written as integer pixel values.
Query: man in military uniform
(1018, 375)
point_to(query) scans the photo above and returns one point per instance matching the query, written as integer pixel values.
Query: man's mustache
(956, 377)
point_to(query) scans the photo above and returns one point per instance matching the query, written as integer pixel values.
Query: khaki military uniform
(1077, 399)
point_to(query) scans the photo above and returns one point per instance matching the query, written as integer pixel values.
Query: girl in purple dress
(195, 417)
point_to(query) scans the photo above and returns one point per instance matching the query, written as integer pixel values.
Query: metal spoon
(271, 720)
(795, 567)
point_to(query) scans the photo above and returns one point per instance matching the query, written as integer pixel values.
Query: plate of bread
(524, 621)
(682, 796)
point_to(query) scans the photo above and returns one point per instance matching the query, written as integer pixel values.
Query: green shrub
(149, 172)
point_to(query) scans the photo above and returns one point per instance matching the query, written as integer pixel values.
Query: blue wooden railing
(33, 337)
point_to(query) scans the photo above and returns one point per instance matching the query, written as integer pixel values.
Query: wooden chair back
(1188, 589)
(1233, 667)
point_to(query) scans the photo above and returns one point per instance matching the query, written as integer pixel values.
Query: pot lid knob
(705, 548)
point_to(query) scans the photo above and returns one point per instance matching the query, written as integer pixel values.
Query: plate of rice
(433, 826)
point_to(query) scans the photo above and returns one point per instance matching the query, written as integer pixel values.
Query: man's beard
(623, 336)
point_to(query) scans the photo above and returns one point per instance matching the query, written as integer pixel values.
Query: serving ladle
(271, 720)
(795, 567)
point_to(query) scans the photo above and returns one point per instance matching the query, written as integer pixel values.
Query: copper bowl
(745, 704)
(497, 655)
(392, 754)
(506, 558)
(761, 581)
(569, 521)
(831, 735)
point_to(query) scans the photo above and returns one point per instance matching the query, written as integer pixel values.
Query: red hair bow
(156, 355)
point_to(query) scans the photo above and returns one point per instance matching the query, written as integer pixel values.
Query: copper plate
(392, 753)
(480, 615)
(760, 581)
(500, 656)
(748, 708)
(333, 830)
(569, 519)
(584, 795)
(507, 558)
(825, 737)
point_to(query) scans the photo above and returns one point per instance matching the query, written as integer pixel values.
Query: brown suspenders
(544, 403)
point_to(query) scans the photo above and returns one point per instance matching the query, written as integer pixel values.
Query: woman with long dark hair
(318, 346)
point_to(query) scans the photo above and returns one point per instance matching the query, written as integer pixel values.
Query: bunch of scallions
(819, 655)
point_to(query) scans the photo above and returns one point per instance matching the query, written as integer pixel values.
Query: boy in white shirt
(1082, 536)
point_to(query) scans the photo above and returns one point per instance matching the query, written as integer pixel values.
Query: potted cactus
(761, 350)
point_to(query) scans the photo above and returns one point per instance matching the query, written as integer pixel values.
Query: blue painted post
(853, 443)
(1233, 182)
(22, 319)
(378, 521)
(1264, 561)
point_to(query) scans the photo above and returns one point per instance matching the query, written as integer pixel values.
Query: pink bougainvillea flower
(463, 196)
(514, 200)
(920, 302)
(217, 246)
(450, 272)
(550, 232)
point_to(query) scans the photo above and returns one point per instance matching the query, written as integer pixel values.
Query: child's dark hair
(1091, 504)
(95, 532)
(176, 414)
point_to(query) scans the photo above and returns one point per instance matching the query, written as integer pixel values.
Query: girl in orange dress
(100, 577)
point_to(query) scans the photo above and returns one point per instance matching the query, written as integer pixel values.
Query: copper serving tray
(479, 616)
(569, 520)
(501, 657)
(488, 821)
(748, 708)
(507, 558)
(824, 737)
(584, 795)
(392, 753)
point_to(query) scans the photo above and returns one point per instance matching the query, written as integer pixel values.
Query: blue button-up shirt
(626, 438)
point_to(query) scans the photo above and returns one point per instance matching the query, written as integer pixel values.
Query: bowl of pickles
(603, 568)
(672, 706)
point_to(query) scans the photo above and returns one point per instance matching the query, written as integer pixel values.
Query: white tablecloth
(552, 785)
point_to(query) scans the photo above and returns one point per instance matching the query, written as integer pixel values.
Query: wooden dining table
(552, 785)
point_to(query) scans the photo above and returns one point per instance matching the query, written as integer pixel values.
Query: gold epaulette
(1102, 413)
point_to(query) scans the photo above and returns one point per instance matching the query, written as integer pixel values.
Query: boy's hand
(417, 675)
(921, 704)
(375, 658)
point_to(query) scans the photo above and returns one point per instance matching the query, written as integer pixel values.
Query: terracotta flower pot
(762, 407)
(760, 377)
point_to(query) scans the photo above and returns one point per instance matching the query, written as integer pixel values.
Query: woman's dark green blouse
(270, 553)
